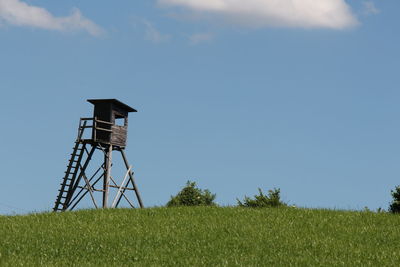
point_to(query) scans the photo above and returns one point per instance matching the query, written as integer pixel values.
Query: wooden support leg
(107, 174)
(131, 179)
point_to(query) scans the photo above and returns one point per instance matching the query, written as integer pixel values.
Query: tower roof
(112, 101)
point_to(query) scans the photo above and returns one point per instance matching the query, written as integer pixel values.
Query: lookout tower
(108, 132)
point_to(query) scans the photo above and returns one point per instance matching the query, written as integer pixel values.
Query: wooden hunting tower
(109, 129)
(115, 116)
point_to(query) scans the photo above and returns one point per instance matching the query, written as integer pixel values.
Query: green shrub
(273, 199)
(395, 205)
(190, 195)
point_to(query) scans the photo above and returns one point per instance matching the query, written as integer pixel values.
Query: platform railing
(94, 126)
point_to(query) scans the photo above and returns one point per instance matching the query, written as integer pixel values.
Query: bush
(395, 205)
(273, 199)
(190, 195)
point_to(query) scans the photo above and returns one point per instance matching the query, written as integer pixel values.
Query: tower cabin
(110, 124)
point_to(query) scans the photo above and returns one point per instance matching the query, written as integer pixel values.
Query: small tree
(273, 199)
(190, 195)
(395, 205)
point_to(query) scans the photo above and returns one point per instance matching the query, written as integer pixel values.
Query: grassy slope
(201, 236)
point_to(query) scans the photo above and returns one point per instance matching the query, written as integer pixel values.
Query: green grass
(201, 236)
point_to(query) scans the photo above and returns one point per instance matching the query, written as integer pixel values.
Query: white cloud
(332, 14)
(370, 8)
(200, 38)
(18, 13)
(154, 35)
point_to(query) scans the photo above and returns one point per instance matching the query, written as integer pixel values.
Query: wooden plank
(120, 188)
(126, 188)
(105, 122)
(119, 135)
(122, 195)
(103, 129)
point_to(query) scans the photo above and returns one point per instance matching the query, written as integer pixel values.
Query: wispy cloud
(331, 14)
(19, 13)
(154, 35)
(197, 38)
(370, 8)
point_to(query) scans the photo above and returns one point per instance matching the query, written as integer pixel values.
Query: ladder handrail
(81, 129)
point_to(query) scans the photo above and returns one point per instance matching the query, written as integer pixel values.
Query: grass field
(201, 236)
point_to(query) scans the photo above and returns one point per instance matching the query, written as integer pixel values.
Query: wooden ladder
(73, 168)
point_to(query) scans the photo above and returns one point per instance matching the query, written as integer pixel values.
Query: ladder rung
(71, 172)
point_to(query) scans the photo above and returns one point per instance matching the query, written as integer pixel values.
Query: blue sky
(234, 95)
